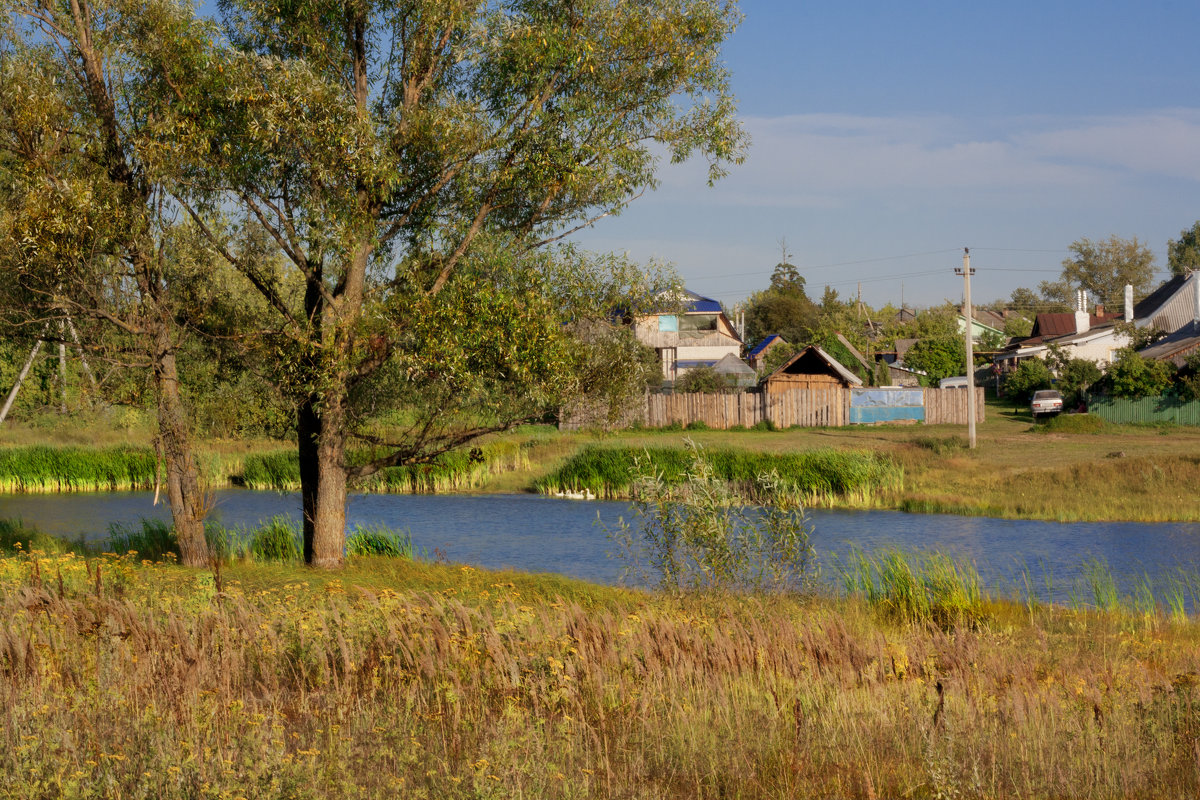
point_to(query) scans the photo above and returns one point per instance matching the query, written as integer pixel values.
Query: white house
(697, 334)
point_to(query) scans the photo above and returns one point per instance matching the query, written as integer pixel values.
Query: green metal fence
(1148, 409)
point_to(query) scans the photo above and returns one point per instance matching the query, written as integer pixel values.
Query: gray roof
(732, 365)
(1175, 347)
(1170, 306)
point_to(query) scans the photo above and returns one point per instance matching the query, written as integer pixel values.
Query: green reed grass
(72, 469)
(456, 471)
(915, 587)
(813, 475)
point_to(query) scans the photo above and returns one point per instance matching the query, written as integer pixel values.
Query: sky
(887, 137)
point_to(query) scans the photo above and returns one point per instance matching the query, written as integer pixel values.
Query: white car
(1046, 403)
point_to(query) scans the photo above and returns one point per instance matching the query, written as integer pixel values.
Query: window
(668, 322)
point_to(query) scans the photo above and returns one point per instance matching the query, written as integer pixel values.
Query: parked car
(1046, 403)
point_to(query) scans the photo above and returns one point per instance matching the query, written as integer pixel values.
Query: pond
(540, 534)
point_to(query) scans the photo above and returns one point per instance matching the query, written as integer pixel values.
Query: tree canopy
(391, 179)
(1103, 268)
(1183, 254)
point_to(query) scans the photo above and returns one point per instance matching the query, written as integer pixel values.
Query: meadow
(127, 678)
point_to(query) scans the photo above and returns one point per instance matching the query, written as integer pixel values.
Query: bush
(1029, 376)
(702, 380)
(1134, 376)
(699, 536)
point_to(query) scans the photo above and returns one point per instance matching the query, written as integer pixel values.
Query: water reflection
(539, 534)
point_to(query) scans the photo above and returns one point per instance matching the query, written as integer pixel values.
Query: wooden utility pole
(966, 272)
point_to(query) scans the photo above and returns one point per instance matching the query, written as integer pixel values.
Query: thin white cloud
(828, 161)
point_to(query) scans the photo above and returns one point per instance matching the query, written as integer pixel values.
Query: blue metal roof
(701, 304)
(758, 348)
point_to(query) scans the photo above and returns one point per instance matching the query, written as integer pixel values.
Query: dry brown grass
(125, 680)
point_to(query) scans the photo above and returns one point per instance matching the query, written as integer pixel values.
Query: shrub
(701, 380)
(1029, 376)
(699, 536)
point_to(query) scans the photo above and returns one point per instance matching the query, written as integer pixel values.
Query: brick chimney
(1083, 321)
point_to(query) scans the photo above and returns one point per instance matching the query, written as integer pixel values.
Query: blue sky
(887, 137)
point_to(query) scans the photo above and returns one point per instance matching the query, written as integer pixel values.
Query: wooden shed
(811, 368)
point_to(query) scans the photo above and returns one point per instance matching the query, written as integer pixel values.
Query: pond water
(539, 534)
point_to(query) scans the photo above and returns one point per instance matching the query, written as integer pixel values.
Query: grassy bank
(401, 678)
(1073, 469)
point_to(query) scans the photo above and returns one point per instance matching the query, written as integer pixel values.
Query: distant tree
(1134, 376)
(783, 307)
(1029, 376)
(1103, 268)
(776, 357)
(1018, 326)
(938, 357)
(1024, 299)
(1184, 254)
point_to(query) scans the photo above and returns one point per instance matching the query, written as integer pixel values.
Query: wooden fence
(808, 408)
(1145, 410)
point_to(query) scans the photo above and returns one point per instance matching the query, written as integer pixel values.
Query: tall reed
(72, 469)
(814, 475)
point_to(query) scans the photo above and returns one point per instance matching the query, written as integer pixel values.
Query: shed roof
(803, 362)
(764, 344)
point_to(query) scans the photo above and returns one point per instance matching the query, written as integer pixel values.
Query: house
(983, 325)
(1174, 309)
(694, 332)
(811, 368)
(759, 351)
(1080, 334)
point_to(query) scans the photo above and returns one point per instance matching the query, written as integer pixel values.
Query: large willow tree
(393, 177)
(85, 225)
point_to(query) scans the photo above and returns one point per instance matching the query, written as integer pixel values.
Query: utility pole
(966, 272)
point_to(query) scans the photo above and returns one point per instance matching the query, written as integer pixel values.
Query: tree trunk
(323, 482)
(183, 485)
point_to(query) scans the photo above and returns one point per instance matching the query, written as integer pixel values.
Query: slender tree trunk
(183, 485)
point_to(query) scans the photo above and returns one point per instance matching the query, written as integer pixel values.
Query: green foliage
(1104, 268)
(1075, 375)
(15, 536)
(1134, 376)
(697, 535)
(938, 357)
(702, 380)
(1187, 382)
(776, 357)
(1018, 326)
(1183, 254)
(783, 308)
(1029, 376)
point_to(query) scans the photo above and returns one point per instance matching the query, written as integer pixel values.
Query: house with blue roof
(757, 353)
(694, 332)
